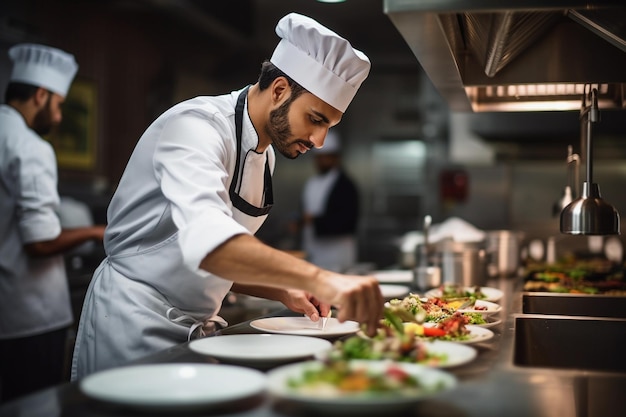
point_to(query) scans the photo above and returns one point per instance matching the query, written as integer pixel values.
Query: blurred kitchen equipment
(503, 247)
(571, 190)
(589, 214)
(452, 228)
(425, 275)
(424, 248)
(463, 263)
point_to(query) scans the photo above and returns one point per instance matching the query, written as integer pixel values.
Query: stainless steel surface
(490, 386)
(516, 55)
(589, 214)
(580, 343)
(574, 304)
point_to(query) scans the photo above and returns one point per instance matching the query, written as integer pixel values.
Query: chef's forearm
(271, 293)
(246, 260)
(67, 239)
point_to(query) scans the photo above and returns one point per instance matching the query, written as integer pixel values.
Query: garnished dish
(435, 310)
(342, 377)
(364, 387)
(451, 291)
(435, 353)
(401, 338)
(570, 276)
(455, 328)
(482, 307)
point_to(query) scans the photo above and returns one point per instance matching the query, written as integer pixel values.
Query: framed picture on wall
(74, 140)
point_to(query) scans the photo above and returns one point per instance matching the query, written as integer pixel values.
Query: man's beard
(279, 130)
(42, 123)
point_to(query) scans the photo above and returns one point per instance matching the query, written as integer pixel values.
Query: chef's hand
(356, 298)
(303, 302)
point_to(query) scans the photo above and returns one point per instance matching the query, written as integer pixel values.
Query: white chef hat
(332, 144)
(43, 66)
(319, 60)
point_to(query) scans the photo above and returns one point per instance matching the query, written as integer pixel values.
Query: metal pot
(463, 263)
(503, 247)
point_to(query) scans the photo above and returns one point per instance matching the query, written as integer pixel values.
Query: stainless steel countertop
(491, 385)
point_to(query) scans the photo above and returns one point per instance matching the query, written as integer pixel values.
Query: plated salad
(393, 347)
(449, 291)
(436, 310)
(402, 338)
(339, 377)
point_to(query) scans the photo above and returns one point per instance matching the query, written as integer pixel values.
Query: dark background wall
(145, 55)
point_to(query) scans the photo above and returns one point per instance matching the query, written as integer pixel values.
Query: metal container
(503, 247)
(463, 263)
(426, 277)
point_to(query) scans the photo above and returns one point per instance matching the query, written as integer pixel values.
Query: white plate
(399, 276)
(492, 294)
(457, 354)
(261, 348)
(357, 403)
(394, 291)
(175, 386)
(491, 322)
(303, 326)
(489, 308)
(476, 334)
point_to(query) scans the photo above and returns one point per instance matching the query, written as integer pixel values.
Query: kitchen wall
(399, 135)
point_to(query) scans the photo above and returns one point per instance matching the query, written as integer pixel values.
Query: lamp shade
(590, 214)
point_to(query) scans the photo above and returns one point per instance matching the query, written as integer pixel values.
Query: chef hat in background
(319, 60)
(43, 66)
(332, 144)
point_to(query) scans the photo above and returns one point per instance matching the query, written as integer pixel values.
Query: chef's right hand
(356, 298)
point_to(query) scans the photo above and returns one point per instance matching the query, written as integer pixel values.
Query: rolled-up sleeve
(191, 163)
(38, 198)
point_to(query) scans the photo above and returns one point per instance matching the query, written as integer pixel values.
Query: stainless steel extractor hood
(517, 55)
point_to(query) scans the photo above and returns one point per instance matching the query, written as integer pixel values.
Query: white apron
(149, 294)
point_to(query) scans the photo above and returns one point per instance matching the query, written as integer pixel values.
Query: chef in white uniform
(198, 186)
(35, 309)
(330, 206)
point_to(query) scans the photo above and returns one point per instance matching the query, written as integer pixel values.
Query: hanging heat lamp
(590, 214)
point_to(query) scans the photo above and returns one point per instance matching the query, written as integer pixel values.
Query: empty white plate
(260, 348)
(176, 385)
(393, 291)
(303, 326)
(393, 276)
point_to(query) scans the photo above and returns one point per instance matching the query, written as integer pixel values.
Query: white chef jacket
(34, 294)
(335, 253)
(171, 209)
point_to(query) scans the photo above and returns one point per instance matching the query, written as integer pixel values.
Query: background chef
(330, 210)
(195, 190)
(35, 309)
